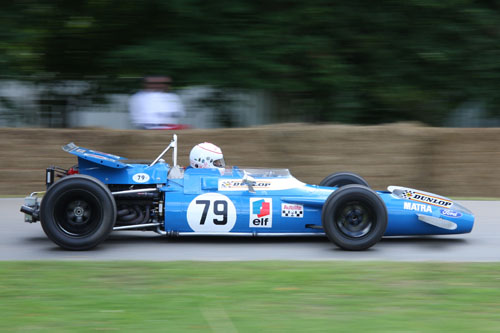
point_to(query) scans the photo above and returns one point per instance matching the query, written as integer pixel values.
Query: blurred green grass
(249, 296)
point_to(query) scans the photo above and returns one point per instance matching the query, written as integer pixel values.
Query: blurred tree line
(345, 60)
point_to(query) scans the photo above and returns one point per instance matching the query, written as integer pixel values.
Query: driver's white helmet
(206, 155)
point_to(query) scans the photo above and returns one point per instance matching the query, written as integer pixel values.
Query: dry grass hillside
(452, 162)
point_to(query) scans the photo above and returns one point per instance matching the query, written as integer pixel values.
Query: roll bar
(173, 144)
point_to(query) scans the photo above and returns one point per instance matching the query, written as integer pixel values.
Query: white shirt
(155, 107)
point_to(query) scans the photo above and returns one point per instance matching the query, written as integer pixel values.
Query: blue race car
(106, 193)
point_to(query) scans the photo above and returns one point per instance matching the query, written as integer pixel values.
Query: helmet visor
(219, 163)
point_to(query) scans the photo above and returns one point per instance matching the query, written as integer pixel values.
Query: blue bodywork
(218, 201)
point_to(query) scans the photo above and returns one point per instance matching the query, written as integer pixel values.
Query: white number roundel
(140, 177)
(211, 212)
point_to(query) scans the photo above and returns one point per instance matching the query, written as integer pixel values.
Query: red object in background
(171, 127)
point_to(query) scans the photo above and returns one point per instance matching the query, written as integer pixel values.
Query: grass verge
(249, 296)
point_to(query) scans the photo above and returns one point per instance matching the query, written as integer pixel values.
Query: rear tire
(78, 212)
(354, 217)
(340, 179)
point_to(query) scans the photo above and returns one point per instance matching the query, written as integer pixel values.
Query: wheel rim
(354, 219)
(78, 213)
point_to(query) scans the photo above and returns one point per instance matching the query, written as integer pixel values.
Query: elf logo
(261, 212)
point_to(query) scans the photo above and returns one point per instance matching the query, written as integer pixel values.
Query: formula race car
(106, 193)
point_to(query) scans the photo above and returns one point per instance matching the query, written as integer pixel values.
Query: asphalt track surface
(25, 241)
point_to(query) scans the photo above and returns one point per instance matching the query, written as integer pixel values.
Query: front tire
(354, 217)
(78, 212)
(340, 179)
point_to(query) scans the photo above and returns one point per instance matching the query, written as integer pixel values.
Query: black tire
(340, 179)
(78, 212)
(354, 217)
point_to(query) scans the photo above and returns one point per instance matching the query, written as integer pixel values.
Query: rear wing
(115, 161)
(97, 157)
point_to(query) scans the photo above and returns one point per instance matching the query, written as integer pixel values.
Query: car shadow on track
(138, 239)
(428, 241)
(123, 238)
(424, 242)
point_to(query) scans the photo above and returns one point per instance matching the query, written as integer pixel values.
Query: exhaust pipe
(32, 213)
(31, 209)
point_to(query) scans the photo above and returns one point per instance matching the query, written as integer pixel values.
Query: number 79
(219, 209)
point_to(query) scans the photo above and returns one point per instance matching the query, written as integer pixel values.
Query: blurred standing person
(155, 107)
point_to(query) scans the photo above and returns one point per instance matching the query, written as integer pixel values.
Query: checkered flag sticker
(408, 194)
(299, 213)
(292, 210)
